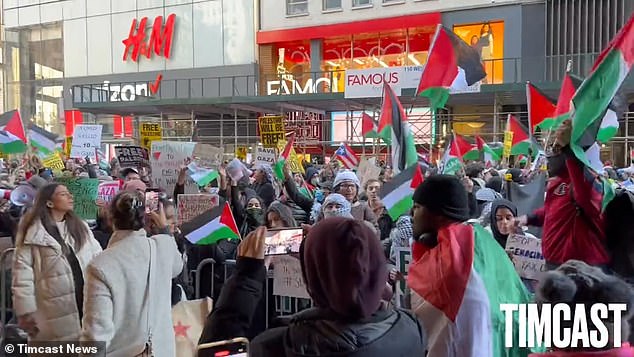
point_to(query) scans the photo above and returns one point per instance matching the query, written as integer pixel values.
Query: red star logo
(181, 330)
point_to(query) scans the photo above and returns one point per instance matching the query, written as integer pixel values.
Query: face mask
(256, 214)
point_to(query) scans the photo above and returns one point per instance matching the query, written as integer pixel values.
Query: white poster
(527, 256)
(265, 156)
(86, 141)
(166, 160)
(287, 277)
(368, 83)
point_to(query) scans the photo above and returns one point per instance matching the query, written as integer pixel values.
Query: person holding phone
(126, 303)
(349, 317)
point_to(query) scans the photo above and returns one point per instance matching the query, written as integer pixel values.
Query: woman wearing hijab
(279, 216)
(502, 217)
(349, 317)
(263, 185)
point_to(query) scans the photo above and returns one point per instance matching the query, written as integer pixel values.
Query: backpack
(619, 233)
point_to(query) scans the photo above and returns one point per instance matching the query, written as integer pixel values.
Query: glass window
(332, 4)
(296, 7)
(392, 1)
(366, 51)
(357, 3)
(488, 39)
(418, 41)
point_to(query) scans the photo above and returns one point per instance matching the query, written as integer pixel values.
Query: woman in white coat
(128, 295)
(53, 248)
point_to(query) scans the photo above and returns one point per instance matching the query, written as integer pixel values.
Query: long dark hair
(127, 211)
(76, 227)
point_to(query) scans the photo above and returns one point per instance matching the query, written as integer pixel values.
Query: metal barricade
(4, 302)
(199, 268)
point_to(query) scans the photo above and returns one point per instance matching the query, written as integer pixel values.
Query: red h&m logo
(160, 38)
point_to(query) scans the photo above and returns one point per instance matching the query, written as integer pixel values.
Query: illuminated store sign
(160, 42)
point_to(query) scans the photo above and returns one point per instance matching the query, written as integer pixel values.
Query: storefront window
(418, 41)
(393, 48)
(366, 51)
(488, 39)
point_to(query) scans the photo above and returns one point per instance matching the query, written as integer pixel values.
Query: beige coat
(115, 310)
(43, 283)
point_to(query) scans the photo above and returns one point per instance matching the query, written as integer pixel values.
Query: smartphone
(237, 347)
(151, 201)
(283, 241)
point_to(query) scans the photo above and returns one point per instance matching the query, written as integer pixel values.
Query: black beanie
(445, 195)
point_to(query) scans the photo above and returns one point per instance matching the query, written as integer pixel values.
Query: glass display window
(488, 39)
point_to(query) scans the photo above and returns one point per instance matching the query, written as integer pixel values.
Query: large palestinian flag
(540, 107)
(568, 88)
(12, 135)
(42, 141)
(211, 226)
(396, 194)
(467, 150)
(369, 127)
(521, 141)
(467, 268)
(402, 141)
(452, 65)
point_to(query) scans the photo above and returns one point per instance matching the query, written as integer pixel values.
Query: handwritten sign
(86, 140)
(150, 132)
(287, 278)
(403, 260)
(368, 171)
(508, 144)
(68, 144)
(527, 256)
(265, 156)
(166, 160)
(107, 190)
(241, 153)
(53, 162)
(192, 205)
(208, 156)
(131, 156)
(84, 191)
(271, 130)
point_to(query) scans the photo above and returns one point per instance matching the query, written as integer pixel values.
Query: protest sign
(67, 145)
(368, 170)
(131, 156)
(166, 160)
(265, 156)
(271, 130)
(192, 205)
(508, 143)
(53, 162)
(86, 140)
(150, 132)
(84, 191)
(403, 260)
(208, 156)
(241, 153)
(287, 278)
(107, 190)
(527, 255)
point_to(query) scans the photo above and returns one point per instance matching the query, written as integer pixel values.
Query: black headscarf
(501, 238)
(495, 183)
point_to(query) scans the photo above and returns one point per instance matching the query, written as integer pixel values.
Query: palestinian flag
(521, 141)
(278, 168)
(467, 268)
(396, 194)
(592, 100)
(568, 88)
(452, 65)
(369, 128)
(402, 141)
(452, 159)
(211, 226)
(490, 157)
(42, 141)
(467, 150)
(540, 107)
(12, 136)
(202, 176)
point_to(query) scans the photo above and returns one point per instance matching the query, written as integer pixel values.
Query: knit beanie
(445, 195)
(346, 176)
(351, 280)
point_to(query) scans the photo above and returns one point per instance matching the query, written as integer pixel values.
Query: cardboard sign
(150, 132)
(403, 260)
(527, 256)
(86, 140)
(287, 278)
(166, 160)
(208, 156)
(107, 190)
(265, 156)
(84, 191)
(53, 162)
(241, 153)
(271, 130)
(131, 156)
(508, 144)
(368, 171)
(192, 205)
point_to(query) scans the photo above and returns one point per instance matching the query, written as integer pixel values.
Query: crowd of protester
(104, 280)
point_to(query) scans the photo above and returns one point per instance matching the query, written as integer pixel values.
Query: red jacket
(573, 225)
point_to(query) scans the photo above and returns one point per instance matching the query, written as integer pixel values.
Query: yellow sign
(53, 162)
(150, 132)
(508, 143)
(68, 145)
(271, 130)
(241, 153)
(294, 162)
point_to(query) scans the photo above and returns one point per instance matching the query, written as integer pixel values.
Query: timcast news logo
(558, 326)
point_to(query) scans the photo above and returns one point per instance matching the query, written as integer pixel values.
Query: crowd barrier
(5, 286)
